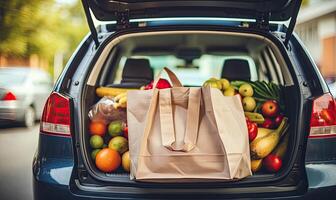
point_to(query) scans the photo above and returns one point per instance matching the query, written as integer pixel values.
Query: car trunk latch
(263, 20)
(122, 19)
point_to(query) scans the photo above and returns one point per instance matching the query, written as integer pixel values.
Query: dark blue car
(237, 40)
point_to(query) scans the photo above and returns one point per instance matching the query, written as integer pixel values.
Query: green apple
(119, 144)
(225, 83)
(115, 128)
(230, 91)
(94, 153)
(96, 141)
(246, 90)
(213, 84)
(249, 104)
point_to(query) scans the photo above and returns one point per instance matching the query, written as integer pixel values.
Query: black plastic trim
(279, 10)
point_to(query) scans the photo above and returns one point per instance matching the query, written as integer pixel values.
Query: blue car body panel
(54, 163)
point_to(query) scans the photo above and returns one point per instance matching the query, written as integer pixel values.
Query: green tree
(41, 27)
(15, 20)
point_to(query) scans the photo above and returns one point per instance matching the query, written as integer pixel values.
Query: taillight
(9, 96)
(323, 117)
(56, 116)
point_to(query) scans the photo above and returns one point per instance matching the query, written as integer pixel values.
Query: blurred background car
(23, 92)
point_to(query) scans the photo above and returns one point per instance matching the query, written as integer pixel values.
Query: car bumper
(53, 191)
(11, 111)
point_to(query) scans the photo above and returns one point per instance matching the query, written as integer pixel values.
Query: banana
(107, 91)
(281, 149)
(116, 105)
(263, 146)
(120, 101)
(256, 165)
(255, 117)
(123, 102)
(263, 132)
(119, 96)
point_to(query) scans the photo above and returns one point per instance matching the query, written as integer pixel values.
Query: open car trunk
(265, 57)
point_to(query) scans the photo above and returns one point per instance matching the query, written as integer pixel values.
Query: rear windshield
(11, 77)
(194, 58)
(193, 73)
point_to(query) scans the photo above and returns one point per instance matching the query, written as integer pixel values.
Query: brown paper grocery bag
(185, 134)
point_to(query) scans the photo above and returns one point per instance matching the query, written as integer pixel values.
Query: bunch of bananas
(112, 92)
(120, 101)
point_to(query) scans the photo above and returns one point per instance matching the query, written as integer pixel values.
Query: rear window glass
(194, 73)
(12, 76)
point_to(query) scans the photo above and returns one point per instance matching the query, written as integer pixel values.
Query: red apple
(278, 120)
(272, 163)
(270, 108)
(268, 123)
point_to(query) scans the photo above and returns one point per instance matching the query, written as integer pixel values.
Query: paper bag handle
(167, 122)
(173, 78)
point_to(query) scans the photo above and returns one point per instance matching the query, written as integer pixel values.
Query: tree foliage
(41, 27)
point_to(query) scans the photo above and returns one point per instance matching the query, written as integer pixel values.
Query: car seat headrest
(236, 69)
(137, 70)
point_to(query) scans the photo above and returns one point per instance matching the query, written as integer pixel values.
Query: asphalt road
(17, 147)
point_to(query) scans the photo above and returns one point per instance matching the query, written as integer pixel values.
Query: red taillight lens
(323, 117)
(9, 96)
(56, 115)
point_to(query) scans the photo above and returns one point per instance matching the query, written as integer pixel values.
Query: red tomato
(125, 132)
(162, 84)
(247, 119)
(272, 163)
(252, 130)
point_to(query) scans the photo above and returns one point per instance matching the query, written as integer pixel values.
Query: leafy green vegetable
(263, 91)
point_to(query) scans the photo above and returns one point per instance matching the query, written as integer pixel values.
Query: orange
(108, 160)
(97, 128)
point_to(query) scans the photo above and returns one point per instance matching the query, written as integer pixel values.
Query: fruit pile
(267, 126)
(108, 128)
(109, 142)
(109, 155)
